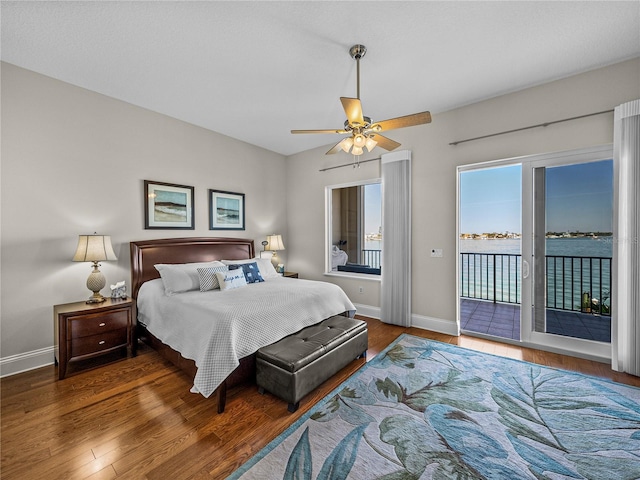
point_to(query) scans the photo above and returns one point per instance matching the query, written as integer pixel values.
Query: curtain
(395, 301)
(625, 331)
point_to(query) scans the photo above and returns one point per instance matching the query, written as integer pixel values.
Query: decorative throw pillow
(182, 277)
(251, 271)
(231, 279)
(267, 270)
(208, 278)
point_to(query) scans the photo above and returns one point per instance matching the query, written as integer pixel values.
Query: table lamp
(275, 244)
(95, 248)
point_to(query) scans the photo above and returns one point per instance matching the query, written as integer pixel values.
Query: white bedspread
(217, 328)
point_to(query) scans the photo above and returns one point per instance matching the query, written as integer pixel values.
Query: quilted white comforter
(217, 328)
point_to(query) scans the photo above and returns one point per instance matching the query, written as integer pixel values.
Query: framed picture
(226, 210)
(168, 206)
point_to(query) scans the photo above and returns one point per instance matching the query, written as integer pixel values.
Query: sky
(372, 208)
(578, 198)
(490, 200)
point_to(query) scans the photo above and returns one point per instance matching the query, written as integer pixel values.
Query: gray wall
(73, 162)
(434, 164)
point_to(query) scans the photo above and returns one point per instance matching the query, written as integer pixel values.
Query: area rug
(428, 410)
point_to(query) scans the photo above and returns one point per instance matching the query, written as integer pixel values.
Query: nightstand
(290, 274)
(83, 331)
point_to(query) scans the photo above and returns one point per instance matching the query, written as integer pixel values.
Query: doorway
(489, 242)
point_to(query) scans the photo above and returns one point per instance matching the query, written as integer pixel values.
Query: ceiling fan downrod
(357, 52)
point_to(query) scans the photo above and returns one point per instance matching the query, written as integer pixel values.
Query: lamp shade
(275, 242)
(94, 248)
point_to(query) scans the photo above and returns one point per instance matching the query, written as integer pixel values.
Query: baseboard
(419, 321)
(23, 362)
(367, 311)
(435, 324)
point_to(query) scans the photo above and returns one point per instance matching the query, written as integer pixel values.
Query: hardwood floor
(136, 419)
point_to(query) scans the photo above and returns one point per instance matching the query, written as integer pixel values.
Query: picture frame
(226, 210)
(168, 206)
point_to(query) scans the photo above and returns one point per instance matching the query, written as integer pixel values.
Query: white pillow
(231, 279)
(265, 266)
(182, 277)
(208, 279)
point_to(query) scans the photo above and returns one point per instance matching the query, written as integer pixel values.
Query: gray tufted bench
(295, 365)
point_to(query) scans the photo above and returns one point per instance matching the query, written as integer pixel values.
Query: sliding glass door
(563, 266)
(571, 249)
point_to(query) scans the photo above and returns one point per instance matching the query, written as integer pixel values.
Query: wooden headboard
(147, 253)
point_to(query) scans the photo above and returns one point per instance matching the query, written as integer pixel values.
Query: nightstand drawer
(97, 343)
(86, 325)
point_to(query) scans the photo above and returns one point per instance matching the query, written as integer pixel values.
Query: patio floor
(503, 320)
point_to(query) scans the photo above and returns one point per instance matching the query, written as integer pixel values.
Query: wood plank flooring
(136, 419)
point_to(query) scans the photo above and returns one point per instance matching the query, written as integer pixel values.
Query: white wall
(73, 162)
(434, 175)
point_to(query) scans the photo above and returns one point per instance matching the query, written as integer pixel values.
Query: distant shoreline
(517, 236)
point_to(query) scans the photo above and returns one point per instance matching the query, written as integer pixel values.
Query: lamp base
(96, 298)
(95, 283)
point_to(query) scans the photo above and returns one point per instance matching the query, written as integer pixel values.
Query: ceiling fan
(365, 133)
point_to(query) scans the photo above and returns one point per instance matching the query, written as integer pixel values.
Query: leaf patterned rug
(422, 409)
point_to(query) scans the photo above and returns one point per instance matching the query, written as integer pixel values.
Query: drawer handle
(102, 324)
(101, 342)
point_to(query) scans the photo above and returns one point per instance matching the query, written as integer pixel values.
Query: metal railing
(580, 284)
(371, 258)
(491, 276)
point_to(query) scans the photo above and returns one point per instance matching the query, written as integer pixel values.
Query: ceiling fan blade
(353, 109)
(384, 142)
(406, 121)
(319, 131)
(335, 149)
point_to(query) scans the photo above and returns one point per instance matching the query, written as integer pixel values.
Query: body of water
(373, 244)
(568, 279)
(575, 247)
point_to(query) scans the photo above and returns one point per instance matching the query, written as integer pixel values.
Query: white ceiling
(254, 70)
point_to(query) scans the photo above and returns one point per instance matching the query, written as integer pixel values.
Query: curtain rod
(546, 124)
(349, 164)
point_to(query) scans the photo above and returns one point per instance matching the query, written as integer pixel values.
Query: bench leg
(261, 390)
(292, 407)
(362, 355)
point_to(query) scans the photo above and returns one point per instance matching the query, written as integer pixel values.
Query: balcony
(577, 296)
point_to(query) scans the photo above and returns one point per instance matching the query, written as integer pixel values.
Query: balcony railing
(371, 258)
(581, 284)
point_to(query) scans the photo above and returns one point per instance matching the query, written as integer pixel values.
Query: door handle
(525, 269)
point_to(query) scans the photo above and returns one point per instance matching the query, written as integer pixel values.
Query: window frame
(328, 244)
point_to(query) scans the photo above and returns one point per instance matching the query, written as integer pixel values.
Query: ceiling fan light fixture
(370, 144)
(346, 144)
(360, 128)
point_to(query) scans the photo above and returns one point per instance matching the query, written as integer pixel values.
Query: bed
(212, 336)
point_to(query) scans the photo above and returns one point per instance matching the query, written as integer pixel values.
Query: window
(354, 228)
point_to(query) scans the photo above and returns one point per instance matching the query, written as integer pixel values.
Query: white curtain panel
(625, 334)
(395, 301)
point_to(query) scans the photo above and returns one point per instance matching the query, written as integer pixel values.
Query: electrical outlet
(436, 252)
(360, 289)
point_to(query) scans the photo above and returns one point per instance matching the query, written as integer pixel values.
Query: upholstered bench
(295, 365)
